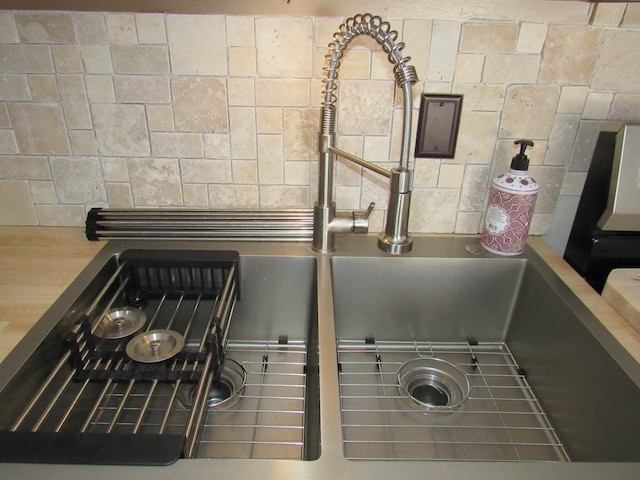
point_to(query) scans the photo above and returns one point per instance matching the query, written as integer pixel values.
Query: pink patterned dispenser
(511, 202)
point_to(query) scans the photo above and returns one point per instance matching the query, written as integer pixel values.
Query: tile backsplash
(128, 110)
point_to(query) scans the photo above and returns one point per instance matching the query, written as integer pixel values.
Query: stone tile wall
(153, 110)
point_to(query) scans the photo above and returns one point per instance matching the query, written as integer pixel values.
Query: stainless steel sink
(542, 384)
(358, 308)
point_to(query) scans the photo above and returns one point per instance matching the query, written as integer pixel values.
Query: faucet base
(394, 246)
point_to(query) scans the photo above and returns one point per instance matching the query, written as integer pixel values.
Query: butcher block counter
(38, 263)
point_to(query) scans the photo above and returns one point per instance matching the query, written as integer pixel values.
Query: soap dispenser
(511, 202)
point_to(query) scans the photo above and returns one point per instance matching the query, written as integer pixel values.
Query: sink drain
(433, 384)
(226, 391)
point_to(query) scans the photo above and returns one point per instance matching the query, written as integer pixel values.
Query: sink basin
(546, 380)
(173, 297)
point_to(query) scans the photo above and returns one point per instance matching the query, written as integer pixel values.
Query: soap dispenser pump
(511, 202)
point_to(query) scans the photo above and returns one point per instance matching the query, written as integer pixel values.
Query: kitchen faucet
(326, 221)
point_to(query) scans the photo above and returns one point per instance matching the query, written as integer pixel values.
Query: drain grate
(500, 420)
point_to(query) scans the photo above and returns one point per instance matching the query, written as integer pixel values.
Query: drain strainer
(433, 384)
(226, 391)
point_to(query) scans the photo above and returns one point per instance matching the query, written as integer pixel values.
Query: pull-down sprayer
(395, 239)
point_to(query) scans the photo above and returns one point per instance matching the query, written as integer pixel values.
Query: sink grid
(501, 419)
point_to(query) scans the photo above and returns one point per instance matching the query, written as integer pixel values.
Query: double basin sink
(446, 362)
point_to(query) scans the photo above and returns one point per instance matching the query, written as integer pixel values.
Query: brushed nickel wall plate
(438, 126)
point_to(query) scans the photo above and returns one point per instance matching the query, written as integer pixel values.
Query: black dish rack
(97, 405)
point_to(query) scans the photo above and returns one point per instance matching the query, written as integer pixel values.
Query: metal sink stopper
(154, 346)
(433, 384)
(120, 322)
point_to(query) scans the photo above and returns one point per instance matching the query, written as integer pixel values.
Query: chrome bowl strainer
(433, 384)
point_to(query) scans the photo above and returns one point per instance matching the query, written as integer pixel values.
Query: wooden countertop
(38, 263)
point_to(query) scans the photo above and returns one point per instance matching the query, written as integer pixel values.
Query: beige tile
(96, 58)
(469, 68)
(197, 44)
(550, 180)
(597, 105)
(426, 172)
(8, 28)
(270, 159)
(200, 104)
(217, 146)
(142, 89)
(365, 107)
(241, 92)
(121, 29)
(121, 130)
(348, 173)
(631, 15)
(83, 142)
(468, 223)
(119, 195)
(511, 69)
(608, 14)
(43, 88)
(155, 181)
(245, 171)
(269, 120)
(175, 144)
(355, 64)
(416, 34)
(572, 99)
(150, 28)
(114, 169)
(160, 118)
(8, 144)
(43, 192)
(242, 61)
(17, 208)
(585, 143)
(376, 149)
(531, 38)
(142, 59)
(67, 59)
(381, 68)
(61, 215)
(243, 132)
(280, 39)
(537, 104)
(488, 38)
(282, 92)
(563, 134)
(348, 198)
(434, 210)
(475, 186)
(450, 175)
(626, 107)
(78, 179)
(240, 31)
(444, 49)
(573, 183)
(198, 170)
(25, 59)
(284, 196)
(100, 88)
(476, 137)
(74, 101)
(195, 195)
(24, 168)
(14, 87)
(91, 28)
(618, 47)
(569, 54)
(5, 121)
(40, 129)
(301, 133)
(480, 97)
(296, 173)
(233, 196)
(45, 27)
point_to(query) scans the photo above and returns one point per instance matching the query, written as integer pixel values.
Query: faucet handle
(361, 219)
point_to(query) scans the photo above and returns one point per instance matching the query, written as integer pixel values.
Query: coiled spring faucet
(327, 222)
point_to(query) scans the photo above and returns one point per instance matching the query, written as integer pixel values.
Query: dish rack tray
(191, 295)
